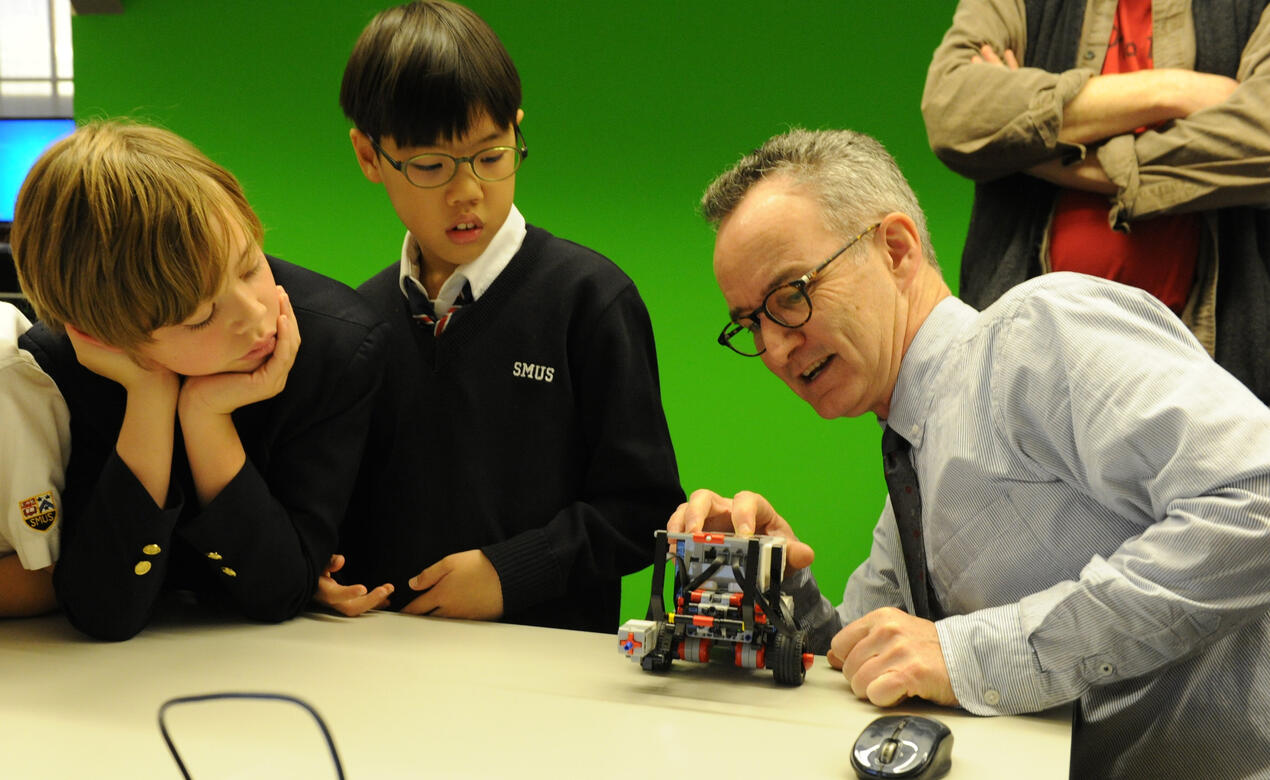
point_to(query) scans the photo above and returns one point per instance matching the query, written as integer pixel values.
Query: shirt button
(1106, 669)
(215, 556)
(142, 567)
(152, 549)
(228, 572)
(991, 698)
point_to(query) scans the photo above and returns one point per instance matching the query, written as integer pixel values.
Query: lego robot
(728, 604)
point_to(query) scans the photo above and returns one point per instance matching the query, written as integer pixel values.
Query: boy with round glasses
(520, 460)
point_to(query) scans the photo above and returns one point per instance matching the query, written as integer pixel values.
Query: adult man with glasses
(1080, 497)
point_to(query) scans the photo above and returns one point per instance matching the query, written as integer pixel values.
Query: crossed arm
(1115, 104)
(986, 118)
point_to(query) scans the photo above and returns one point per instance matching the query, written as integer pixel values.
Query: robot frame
(726, 593)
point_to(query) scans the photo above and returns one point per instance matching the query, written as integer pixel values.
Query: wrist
(212, 448)
(195, 402)
(197, 418)
(155, 399)
(153, 386)
(1183, 92)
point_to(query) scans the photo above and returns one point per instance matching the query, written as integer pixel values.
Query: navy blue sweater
(532, 429)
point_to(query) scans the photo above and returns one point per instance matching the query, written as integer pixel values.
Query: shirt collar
(479, 274)
(914, 387)
(12, 323)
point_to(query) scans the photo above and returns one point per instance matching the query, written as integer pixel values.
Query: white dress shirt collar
(478, 274)
(911, 398)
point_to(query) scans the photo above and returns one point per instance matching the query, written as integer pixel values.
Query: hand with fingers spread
(462, 585)
(888, 656)
(744, 514)
(348, 600)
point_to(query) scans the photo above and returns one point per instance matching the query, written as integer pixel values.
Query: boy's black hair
(421, 72)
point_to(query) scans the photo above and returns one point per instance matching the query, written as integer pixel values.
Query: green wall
(630, 109)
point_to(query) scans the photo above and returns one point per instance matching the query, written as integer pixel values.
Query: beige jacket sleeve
(1214, 158)
(985, 121)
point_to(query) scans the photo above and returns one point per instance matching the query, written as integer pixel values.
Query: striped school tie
(423, 313)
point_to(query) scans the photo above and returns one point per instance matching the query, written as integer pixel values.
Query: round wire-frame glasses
(435, 169)
(788, 305)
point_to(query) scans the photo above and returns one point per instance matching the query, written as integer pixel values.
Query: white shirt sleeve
(34, 450)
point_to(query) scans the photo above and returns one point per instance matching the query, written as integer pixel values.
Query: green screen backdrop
(630, 110)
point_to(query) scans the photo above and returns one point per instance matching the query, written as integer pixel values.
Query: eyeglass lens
(433, 170)
(787, 305)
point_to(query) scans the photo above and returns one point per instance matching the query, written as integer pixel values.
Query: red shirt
(1158, 254)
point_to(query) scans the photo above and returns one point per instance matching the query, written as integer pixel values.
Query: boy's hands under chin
(212, 445)
(462, 585)
(223, 393)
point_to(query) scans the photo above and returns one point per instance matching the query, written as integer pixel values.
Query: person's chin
(246, 365)
(828, 400)
(826, 410)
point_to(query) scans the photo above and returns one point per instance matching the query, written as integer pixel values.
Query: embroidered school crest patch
(39, 512)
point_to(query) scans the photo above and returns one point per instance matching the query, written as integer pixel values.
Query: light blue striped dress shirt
(1096, 506)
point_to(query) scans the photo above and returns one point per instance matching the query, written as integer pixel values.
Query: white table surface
(421, 697)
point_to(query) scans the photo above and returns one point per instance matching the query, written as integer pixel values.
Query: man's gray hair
(855, 179)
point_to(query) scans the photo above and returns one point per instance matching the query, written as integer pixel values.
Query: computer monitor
(22, 140)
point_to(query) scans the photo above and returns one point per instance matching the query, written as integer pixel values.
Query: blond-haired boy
(210, 452)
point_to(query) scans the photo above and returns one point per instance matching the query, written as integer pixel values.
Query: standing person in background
(1127, 139)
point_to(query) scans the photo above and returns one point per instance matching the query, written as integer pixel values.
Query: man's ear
(80, 335)
(520, 116)
(367, 157)
(898, 233)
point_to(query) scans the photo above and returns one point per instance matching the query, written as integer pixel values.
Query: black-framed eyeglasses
(435, 169)
(788, 305)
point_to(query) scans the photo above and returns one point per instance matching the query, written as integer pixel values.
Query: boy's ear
(80, 335)
(367, 157)
(520, 116)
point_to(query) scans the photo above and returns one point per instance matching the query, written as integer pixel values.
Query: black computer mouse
(907, 746)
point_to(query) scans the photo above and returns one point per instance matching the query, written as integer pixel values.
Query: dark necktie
(421, 308)
(906, 503)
